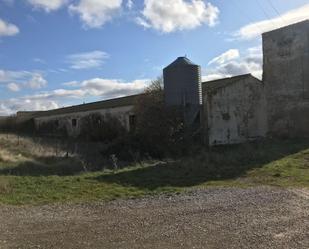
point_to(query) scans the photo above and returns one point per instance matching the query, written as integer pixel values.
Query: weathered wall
(286, 78)
(65, 120)
(236, 113)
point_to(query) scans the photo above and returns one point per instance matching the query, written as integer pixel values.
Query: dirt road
(260, 217)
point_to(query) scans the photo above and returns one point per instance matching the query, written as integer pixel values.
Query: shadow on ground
(45, 166)
(220, 163)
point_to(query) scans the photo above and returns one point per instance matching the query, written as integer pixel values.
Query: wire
(264, 11)
(275, 9)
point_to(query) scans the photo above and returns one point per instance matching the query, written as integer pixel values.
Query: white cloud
(97, 87)
(24, 79)
(173, 15)
(227, 56)
(95, 13)
(87, 60)
(113, 88)
(249, 61)
(36, 82)
(8, 29)
(13, 87)
(254, 30)
(11, 106)
(48, 5)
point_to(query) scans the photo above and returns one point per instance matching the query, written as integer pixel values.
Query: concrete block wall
(286, 79)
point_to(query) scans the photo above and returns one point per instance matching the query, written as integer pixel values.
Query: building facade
(234, 110)
(286, 79)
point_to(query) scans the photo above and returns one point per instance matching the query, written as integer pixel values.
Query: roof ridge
(229, 78)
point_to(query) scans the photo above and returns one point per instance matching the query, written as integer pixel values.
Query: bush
(159, 129)
(53, 128)
(98, 128)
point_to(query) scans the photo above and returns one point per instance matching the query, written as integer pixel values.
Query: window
(74, 122)
(132, 122)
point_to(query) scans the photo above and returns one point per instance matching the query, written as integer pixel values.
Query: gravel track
(260, 217)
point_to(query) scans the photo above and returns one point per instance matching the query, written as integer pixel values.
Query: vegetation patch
(27, 178)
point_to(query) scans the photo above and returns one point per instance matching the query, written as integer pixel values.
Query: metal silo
(182, 83)
(183, 88)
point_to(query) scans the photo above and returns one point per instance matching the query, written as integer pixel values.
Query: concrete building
(286, 79)
(234, 110)
(69, 118)
(231, 110)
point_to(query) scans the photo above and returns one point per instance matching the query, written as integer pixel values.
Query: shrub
(98, 128)
(159, 129)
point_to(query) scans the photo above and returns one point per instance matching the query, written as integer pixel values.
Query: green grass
(30, 178)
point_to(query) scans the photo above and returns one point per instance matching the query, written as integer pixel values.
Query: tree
(159, 129)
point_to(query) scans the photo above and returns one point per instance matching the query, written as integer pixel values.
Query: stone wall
(286, 78)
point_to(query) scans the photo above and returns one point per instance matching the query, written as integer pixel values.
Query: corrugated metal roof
(210, 86)
(111, 103)
(180, 61)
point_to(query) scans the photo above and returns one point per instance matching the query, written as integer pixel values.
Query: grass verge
(26, 179)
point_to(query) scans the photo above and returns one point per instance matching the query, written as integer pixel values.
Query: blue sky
(55, 53)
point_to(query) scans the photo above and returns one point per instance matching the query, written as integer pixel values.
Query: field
(31, 173)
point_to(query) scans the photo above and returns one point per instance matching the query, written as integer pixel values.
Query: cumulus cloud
(95, 13)
(8, 29)
(254, 30)
(13, 87)
(169, 16)
(36, 81)
(11, 106)
(97, 87)
(113, 88)
(248, 62)
(87, 60)
(22, 79)
(227, 56)
(48, 5)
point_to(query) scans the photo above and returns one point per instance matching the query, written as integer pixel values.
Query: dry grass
(6, 156)
(5, 187)
(31, 173)
(30, 147)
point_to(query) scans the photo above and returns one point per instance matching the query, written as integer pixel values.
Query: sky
(56, 53)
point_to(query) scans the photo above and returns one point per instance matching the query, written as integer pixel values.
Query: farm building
(230, 110)
(234, 110)
(69, 118)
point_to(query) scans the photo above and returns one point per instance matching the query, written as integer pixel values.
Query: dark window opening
(74, 122)
(132, 122)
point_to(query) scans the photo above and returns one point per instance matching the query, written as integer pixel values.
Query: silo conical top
(180, 61)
